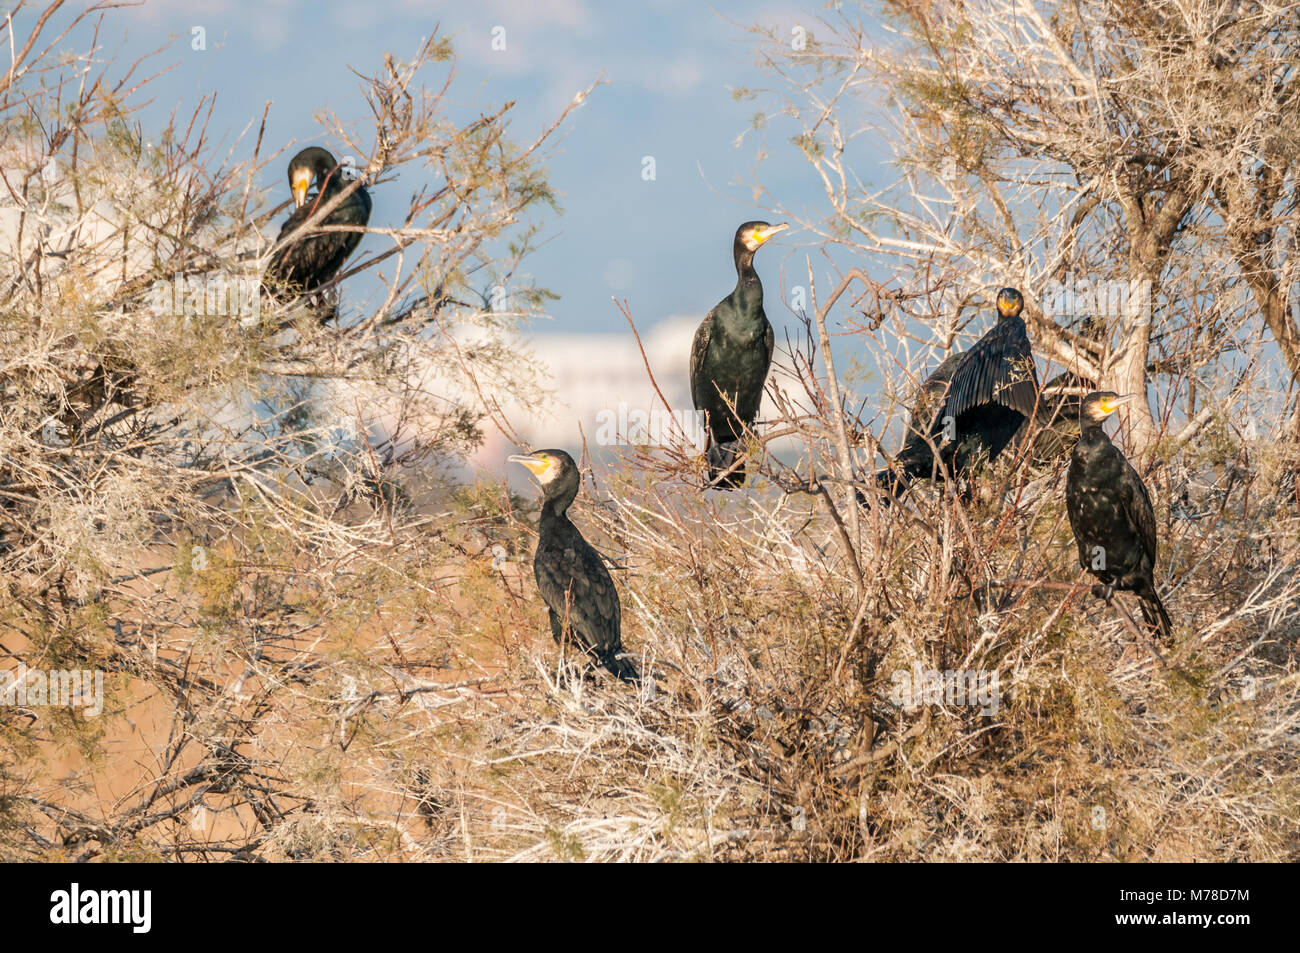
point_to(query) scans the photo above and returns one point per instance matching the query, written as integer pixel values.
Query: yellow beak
(763, 234)
(1110, 406)
(536, 465)
(301, 182)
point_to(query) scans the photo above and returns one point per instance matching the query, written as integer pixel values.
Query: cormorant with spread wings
(972, 406)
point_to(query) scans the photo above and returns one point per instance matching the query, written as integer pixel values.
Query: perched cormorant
(1111, 515)
(302, 266)
(973, 404)
(730, 358)
(570, 574)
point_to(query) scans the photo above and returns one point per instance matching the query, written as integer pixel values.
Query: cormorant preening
(730, 358)
(303, 265)
(973, 404)
(570, 574)
(1111, 515)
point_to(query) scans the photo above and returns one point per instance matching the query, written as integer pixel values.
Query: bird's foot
(1103, 592)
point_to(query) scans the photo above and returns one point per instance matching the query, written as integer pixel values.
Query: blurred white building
(602, 390)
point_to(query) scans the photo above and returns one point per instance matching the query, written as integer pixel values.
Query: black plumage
(730, 358)
(1054, 428)
(304, 264)
(973, 405)
(571, 576)
(1111, 515)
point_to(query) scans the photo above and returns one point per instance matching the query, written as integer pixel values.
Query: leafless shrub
(198, 485)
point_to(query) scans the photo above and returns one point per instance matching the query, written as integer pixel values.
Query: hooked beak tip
(1115, 403)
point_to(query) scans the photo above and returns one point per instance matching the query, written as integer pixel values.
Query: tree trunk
(1128, 374)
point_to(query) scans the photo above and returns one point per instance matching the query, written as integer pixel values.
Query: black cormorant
(570, 574)
(303, 265)
(1111, 515)
(973, 404)
(730, 358)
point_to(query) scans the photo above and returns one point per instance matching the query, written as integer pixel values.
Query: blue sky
(670, 68)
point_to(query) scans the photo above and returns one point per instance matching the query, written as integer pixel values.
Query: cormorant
(1111, 515)
(302, 266)
(570, 574)
(973, 404)
(730, 358)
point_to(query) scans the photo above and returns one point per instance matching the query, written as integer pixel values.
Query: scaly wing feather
(577, 587)
(998, 369)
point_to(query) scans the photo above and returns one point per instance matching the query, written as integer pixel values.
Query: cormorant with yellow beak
(972, 406)
(570, 574)
(1111, 515)
(730, 358)
(310, 261)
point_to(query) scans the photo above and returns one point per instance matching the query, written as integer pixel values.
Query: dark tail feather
(1154, 615)
(621, 668)
(721, 457)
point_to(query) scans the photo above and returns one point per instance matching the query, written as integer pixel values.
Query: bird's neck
(1091, 431)
(745, 272)
(555, 510)
(748, 293)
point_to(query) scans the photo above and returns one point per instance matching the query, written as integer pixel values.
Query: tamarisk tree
(1132, 166)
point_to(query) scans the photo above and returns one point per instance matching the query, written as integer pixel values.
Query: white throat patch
(550, 473)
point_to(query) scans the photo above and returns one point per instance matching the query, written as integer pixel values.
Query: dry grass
(456, 740)
(750, 748)
(400, 699)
